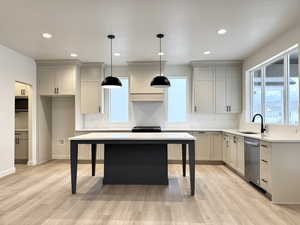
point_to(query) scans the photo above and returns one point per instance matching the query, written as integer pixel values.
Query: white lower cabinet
(21, 146)
(175, 152)
(84, 152)
(240, 156)
(208, 147)
(265, 165)
(234, 152)
(216, 147)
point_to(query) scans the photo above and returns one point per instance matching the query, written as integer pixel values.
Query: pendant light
(160, 81)
(110, 81)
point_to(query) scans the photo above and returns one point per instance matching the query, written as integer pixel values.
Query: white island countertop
(134, 136)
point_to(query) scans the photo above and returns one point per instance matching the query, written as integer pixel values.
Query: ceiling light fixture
(207, 53)
(74, 55)
(160, 53)
(160, 81)
(117, 54)
(46, 35)
(222, 31)
(110, 81)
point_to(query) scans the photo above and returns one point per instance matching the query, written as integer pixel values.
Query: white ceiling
(190, 27)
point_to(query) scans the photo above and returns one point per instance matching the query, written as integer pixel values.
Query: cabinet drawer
(265, 184)
(264, 169)
(265, 177)
(265, 151)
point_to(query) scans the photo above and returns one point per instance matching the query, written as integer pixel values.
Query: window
(257, 92)
(293, 88)
(275, 89)
(177, 100)
(118, 106)
(274, 92)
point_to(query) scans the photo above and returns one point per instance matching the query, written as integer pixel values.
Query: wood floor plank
(41, 196)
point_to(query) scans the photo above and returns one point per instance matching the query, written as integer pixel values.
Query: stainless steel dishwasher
(252, 160)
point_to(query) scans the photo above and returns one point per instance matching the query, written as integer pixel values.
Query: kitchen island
(136, 153)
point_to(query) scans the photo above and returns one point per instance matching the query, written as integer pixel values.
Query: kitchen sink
(248, 132)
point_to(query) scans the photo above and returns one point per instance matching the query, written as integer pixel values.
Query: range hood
(141, 75)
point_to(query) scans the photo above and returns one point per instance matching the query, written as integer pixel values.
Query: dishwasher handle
(252, 143)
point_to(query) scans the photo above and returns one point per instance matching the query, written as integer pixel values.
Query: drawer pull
(265, 161)
(264, 180)
(265, 146)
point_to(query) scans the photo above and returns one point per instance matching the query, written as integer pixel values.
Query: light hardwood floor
(41, 195)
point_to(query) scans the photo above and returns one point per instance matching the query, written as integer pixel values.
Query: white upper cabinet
(204, 90)
(57, 78)
(217, 87)
(228, 88)
(21, 90)
(234, 89)
(91, 91)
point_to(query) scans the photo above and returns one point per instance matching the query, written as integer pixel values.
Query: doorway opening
(23, 127)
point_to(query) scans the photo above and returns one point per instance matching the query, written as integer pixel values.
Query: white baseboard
(56, 156)
(42, 162)
(7, 172)
(31, 163)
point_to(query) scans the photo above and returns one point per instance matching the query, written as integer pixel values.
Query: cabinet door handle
(195, 108)
(265, 161)
(229, 108)
(99, 109)
(265, 146)
(264, 180)
(57, 90)
(54, 90)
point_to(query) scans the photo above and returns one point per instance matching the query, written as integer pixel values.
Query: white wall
(154, 113)
(63, 125)
(13, 67)
(276, 46)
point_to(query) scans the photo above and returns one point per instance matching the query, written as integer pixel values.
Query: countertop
(269, 138)
(133, 136)
(163, 130)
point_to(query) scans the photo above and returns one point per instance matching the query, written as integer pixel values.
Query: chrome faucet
(262, 127)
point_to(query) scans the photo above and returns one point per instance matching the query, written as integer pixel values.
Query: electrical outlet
(61, 141)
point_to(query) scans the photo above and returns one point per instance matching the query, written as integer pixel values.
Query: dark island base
(145, 164)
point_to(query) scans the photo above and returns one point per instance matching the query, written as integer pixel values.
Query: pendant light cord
(160, 57)
(111, 57)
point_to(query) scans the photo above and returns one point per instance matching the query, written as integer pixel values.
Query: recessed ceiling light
(73, 55)
(46, 35)
(160, 53)
(222, 31)
(207, 53)
(117, 54)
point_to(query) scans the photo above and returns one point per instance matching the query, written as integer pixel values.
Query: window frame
(286, 73)
(187, 78)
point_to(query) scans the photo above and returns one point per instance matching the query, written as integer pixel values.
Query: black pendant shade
(160, 81)
(110, 81)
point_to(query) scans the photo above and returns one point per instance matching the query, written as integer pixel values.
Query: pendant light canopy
(110, 81)
(160, 81)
